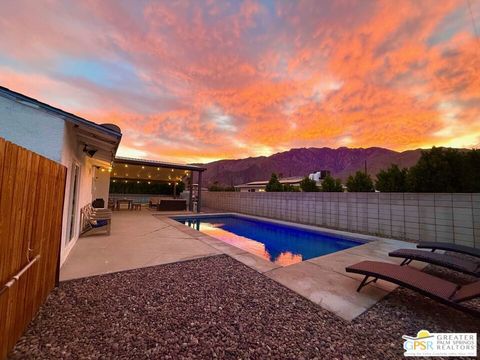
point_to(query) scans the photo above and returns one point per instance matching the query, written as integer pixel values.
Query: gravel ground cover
(216, 307)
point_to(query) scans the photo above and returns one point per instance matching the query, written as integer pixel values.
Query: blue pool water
(281, 244)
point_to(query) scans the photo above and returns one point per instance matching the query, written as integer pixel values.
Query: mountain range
(341, 162)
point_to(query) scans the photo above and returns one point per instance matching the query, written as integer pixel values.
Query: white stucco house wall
(85, 148)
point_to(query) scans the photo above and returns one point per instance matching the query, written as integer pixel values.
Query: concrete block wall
(416, 216)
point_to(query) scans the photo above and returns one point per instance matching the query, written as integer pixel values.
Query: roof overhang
(247, 186)
(253, 184)
(105, 138)
(156, 163)
(139, 170)
(104, 144)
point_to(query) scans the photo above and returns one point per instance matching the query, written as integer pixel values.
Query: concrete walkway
(323, 280)
(138, 239)
(141, 239)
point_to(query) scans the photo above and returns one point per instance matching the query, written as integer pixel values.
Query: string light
(126, 165)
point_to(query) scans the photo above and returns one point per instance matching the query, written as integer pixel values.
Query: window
(72, 215)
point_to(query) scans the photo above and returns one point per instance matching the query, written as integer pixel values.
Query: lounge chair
(462, 249)
(428, 285)
(95, 220)
(466, 266)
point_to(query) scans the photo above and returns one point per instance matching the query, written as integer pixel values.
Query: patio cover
(130, 169)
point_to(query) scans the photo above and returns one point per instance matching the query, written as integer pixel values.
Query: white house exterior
(259, 186)
(86, 149)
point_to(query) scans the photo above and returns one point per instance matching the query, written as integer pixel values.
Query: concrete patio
(143, 239)
(137, 240)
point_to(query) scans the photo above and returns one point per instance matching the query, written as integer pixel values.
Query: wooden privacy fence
(31, 206)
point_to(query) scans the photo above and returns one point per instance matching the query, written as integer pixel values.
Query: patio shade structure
(152, 171)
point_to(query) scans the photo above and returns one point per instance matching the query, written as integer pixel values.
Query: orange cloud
(199, 81)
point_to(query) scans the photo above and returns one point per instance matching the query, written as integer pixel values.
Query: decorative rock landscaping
(216, 307)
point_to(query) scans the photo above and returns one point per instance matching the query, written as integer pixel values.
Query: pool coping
(322, 279)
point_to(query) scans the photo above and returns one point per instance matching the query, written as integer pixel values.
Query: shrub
(274, 184)
(308, 185)
(290, 188)
(360, 182)
(393, 179)
(445, 170)
(329, 184)
(217, 187)
(155, 188)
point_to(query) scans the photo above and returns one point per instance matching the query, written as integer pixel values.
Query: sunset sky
(200, 81)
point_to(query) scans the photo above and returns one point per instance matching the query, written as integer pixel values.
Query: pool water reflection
(280, 244)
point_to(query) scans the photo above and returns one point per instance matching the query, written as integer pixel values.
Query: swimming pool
(279, 243)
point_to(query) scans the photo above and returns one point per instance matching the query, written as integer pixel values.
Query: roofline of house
(26, 100)
(264, 183)
(249, 186)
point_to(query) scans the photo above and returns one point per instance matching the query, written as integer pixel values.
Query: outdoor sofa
(160, 203)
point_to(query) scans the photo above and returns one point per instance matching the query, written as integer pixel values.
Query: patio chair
(436, 288)
(466, 266)
(462, 249)
(111, 204)
(95, 221)
(154, 201)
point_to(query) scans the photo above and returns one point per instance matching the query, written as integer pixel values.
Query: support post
(190, 196)
(199, 191)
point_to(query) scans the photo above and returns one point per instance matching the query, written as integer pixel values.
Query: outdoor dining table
(129, 202)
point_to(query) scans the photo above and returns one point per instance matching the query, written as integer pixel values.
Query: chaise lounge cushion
(451, 262)
(449, 247)
(467, 292)
(406, 276)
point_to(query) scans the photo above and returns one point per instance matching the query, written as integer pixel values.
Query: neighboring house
(85, 148)
(259, 186)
